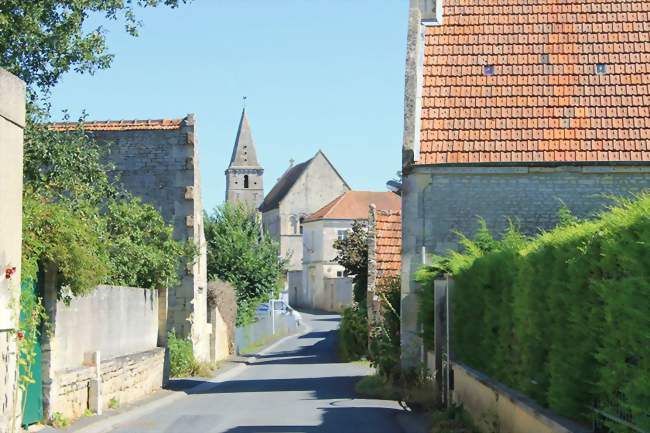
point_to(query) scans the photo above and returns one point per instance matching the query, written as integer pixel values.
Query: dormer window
(431, 11)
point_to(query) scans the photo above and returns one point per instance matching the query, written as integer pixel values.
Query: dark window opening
(245, 181)
(302, 220)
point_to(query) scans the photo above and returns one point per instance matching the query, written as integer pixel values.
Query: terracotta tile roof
(119, 125)
(353, 205)
(388, 233)
(545, 100)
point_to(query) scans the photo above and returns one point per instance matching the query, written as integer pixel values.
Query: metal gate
(33, 394)
(443, 353)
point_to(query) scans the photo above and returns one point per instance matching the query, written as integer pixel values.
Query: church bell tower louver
(244, 175)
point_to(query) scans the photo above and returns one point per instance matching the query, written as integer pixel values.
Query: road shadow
(338, 420)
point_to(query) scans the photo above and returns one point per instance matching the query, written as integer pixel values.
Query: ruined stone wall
(162, 167)
(12, 123)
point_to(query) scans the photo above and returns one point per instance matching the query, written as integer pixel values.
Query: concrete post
(95, 401)
(12, 124)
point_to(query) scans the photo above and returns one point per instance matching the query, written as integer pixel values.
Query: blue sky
(318, 74)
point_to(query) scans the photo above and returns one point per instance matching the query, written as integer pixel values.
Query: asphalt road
(299, 387)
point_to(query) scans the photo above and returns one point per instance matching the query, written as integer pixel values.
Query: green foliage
(385, 337)
(240, 254)
(562, 317)
(181, 356)
(59, 420)
(353, 333)
(42, 40)
(113, 403)
(53, 232)
(142, 249)
(353, 256)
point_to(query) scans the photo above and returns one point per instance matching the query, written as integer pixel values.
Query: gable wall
(161, 166)
(317, 186)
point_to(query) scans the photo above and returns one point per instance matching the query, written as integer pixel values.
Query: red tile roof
(388, 232)
(353, 205)
(119, 125)
(545, 101)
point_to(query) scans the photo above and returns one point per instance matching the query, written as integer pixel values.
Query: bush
(181, 356)
(385, 338)
(221, 295)
(562, 317)
(240, 254)
(353, 333)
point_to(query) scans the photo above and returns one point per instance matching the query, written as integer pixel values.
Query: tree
(239, 253)
(41, 40)
(353, 256)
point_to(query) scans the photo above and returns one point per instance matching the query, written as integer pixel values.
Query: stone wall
(125, 379)
(12, 123)
(162, 167)
(118, 326)
(437, 201)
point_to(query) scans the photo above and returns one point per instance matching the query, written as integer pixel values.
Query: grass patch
(452, 420)
(375, 387)
(206, 369)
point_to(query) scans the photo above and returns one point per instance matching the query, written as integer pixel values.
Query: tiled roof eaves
(540, 164)
(118, 125)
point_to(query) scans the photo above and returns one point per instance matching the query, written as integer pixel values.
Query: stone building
(300, 191)
(158, 161)
(244, 175)
(324, 284)
(511, 109)
(12, 123)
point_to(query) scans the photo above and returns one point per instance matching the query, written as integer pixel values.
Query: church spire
(244, 153)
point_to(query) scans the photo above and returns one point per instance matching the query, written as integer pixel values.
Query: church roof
(244, 154)
(282, 187)
(287, 180)
(353, 205)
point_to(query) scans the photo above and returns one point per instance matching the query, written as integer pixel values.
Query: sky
(317, 74)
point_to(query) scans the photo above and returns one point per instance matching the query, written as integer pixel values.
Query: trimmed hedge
(563, 317)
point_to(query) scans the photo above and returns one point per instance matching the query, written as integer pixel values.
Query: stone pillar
(374, 315)
(12, 124)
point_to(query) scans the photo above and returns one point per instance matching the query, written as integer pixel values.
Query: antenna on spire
(244, 102)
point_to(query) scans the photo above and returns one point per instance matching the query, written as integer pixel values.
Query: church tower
(244, 175)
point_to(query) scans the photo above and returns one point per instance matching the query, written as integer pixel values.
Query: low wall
(125, 379)
(495, 407)
(122, 324)
(247, 336)
(115, 321)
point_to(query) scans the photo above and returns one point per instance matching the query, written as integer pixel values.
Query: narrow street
(299, 387)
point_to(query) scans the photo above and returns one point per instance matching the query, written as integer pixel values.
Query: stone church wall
(12, 123)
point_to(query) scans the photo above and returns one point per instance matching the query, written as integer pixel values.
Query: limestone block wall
(12, 123)
(162, 167)
(437, 201)
(125, 379)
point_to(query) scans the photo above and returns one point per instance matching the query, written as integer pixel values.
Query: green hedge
(563, 317)
(353, 333)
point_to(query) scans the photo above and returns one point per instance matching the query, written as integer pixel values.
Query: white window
(341, 234)
(339, 274)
